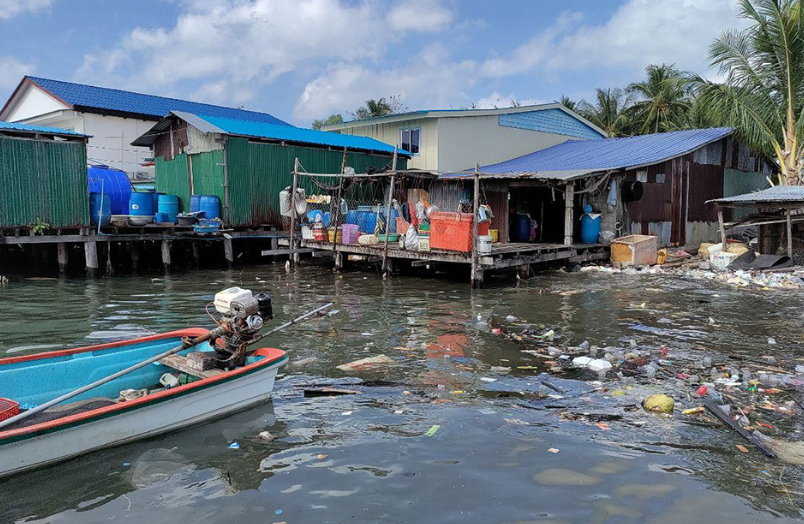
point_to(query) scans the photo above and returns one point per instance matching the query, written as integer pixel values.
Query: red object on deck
(453, 231)
(8, 408)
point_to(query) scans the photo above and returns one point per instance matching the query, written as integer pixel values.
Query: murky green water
(367, 458)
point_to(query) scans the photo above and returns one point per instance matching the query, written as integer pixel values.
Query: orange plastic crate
(8, 409)
(453, 231)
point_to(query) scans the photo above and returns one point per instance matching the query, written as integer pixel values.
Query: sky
(305, 59)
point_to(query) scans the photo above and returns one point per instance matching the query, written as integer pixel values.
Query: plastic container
(113, 182)
(350, 233)
(392, 237)
(521, 231)
(424, 242)
(100, 209)
(495, 235)
(484, 244)
(319, 234)
(590, 226)
(155, 195)
(333, 237)
(169, 205)
(161, 218)
(307, 233)
(195, 203)
(141, 204)
(8, 408)
(634, 250)
(722, 260)
(453, 231)
(211, 206)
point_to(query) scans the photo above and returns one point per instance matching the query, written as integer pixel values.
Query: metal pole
(293, 211)
(722, 228)
(789, 235)
(569, 202)
(475, 207)
(388, 215)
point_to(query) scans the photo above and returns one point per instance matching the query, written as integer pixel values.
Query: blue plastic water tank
(169, 205)
(100, 209)
(113, 182)
(141, 204)
(211, 206)
(590, 228)
(195, 203)
(521, 232)
(155, 195)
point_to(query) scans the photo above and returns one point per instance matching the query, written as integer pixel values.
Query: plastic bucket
(211, 206)
(169, 206)
(484, 244)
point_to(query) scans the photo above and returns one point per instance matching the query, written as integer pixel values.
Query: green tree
(611, 111)
(662, 100)
(567, 102)
(379, 107)
(763, 93)
(329, 121)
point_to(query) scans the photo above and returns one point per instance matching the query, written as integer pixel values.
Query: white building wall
(31, 102)
(111, 138)
(466, 141)
(390, 133)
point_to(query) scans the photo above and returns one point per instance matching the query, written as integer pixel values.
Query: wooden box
(634, 250)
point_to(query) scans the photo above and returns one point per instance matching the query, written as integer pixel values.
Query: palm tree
(763, 94)
(662, 99)
(379, 107)
(567, 102)
(611, 112)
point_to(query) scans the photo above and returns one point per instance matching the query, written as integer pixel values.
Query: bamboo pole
(476, 277)
(337, 211)
(293, 256)
(388, 215)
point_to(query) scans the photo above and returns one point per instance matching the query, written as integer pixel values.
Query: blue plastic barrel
(100, 209)
(521, 232)
(169, 205)
(141, 204)
(590, 228)
(211, 206)
(195, 203)
(113, 182)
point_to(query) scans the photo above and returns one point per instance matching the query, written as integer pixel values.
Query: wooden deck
(503, 255)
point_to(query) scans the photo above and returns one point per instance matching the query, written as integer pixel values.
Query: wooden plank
(270, 252)
(533, 259)
(179, 363)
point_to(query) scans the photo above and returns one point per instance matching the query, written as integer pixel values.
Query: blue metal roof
(25, 128)
(137, 103)
(554, 121)
(608, 153)
(231, 126)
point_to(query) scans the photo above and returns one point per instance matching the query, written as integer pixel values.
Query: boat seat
(63, 410)
(179, 363)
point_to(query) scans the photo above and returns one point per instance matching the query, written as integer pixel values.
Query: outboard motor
(244, 315)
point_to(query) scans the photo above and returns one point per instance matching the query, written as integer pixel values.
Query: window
(410, 140)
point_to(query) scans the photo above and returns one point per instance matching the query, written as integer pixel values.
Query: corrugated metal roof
(606, 154)
(234, 127)
(773, 195)
(138, 103)
(29, 129)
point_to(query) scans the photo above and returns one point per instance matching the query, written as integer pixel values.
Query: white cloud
(639, 33)
(12, 71)
(12, 8)
(420, 15)
(433, 80)
(496, 100)
(226, 45)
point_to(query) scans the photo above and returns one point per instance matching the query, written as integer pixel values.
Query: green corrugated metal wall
(259, 171)
(173, 178)
(208, 173)
(45, 180)
(739, 183)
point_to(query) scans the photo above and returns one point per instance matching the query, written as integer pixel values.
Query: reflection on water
(367, 457)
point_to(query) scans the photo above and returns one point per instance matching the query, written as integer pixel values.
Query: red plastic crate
(453, 231)
(8, 409)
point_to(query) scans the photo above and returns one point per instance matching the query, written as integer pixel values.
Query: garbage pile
(756, 398)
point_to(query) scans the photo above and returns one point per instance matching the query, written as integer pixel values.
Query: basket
(8, 408)
(453, 231)
(333, 237)
(307, 233)
(392, 237)
(350, 233)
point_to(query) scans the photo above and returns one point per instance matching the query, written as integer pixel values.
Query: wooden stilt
(294, 257)
(569, 203)
(134, 250)
(722, 226)
(91, 257)
(166, 255)
(476, 278)
(196, 254)
(338, 261)
(62, 256)
(388, 216)
(228, 251)
(789, 235)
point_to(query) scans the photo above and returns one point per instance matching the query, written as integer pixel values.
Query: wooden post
(91, 257)
(294, 258)
(228, 251)
(789, 235)
(337, 211)
(388, 216)
(196, 253)
(722, 226)
(569, 203)
(166, 255)
(477, 274)
(134, 247)
(62, 256)
(338, 261)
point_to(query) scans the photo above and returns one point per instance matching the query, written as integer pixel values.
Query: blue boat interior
(35, 382)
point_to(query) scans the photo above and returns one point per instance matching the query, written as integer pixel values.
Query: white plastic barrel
(484, 244)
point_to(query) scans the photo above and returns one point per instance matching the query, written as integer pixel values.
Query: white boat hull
(146, 421)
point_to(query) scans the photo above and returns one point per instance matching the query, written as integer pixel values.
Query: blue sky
(306, 59)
